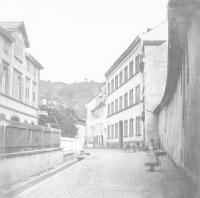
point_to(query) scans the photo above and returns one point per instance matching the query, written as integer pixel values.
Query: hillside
(74, 95)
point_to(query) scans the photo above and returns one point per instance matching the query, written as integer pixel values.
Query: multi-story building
(179, 110)
(19, 75)
(96, 120)
(125, 91)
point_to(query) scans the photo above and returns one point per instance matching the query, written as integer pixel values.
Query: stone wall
(18, 166)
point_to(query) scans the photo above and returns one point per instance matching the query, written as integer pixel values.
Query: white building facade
(125, 93)
(19, 75)
(96, 120)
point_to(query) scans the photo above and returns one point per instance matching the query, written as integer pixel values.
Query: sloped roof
(6, 34)
(11, 26)
(155, 36)
(34, 61)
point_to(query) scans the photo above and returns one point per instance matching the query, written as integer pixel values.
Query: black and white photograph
(100, 99)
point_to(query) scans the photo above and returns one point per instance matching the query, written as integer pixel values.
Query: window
(137, 94)
(116, 105)
(116, 82)
(116, 130)
(112, 85)
(120, 103)
(137, 63)
(131, 127)
(125, 100)
(5, 78)
(27, 91)
(108, 132)
(28, 68)
(131, 69)
(108, 109)
(108, 88)
(112, 131)
(131, 97)
(18, 50)
(112, 107)
(120, 78)
(125, 128)
(34, 71)
(34, 94)
(138, 126)
(6, 46)
(17, 85)
(125, 73)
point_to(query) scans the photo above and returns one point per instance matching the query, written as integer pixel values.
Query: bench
(152, 160)
(152, 165)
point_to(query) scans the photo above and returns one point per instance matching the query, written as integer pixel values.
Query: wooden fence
(17, 137)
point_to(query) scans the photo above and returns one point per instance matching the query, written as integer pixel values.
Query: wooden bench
(152, 165)
(152, 160)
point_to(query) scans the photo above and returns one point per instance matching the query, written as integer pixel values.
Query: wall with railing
(17, 137)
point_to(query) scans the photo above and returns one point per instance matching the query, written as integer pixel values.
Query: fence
(16, 137)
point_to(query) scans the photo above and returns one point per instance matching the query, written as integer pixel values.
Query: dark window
(116, 82)
(112, 85)
(125, 100)
(131, 69)
(120, 78)
(138, 126)
(108, 132)
(125, 128)
(125, 73)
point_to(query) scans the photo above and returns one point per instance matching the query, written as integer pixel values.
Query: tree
(61, 117)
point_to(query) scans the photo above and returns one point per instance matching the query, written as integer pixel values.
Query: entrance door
(121, 134)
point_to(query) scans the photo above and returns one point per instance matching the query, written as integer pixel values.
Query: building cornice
(124, 109)
(12, 109)
(1, 94)
(123, 55)
(6, 34)
(34, 61)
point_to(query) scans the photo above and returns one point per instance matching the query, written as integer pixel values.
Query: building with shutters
(125, 81)
(96, 120)
(19, 75)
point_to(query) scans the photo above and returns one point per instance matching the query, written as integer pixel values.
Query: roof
(155, 36)
(123, 55)
(34, 61)
(12, 26)
(6, 34)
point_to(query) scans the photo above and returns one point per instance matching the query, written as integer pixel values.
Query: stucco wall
(8, 105)
(170, 126)
(192, 101)
(155, 71)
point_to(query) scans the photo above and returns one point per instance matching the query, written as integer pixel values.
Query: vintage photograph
(100, 99)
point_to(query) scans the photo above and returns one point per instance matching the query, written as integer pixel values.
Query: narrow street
(112, 173)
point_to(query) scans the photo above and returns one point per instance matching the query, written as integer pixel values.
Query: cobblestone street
(112, 173)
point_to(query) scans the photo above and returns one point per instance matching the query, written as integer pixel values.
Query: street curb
(37, 180)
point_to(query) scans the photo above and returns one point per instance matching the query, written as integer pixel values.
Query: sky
(80, 39)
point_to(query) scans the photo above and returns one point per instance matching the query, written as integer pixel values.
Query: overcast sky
(78, 39)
